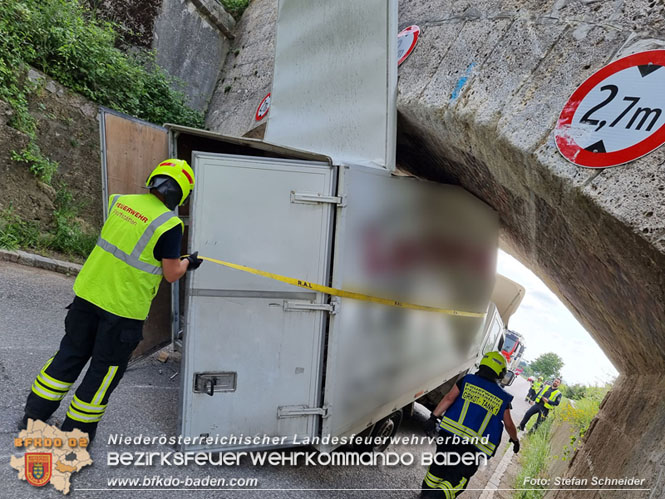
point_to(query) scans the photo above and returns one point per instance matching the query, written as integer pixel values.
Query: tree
(548, 365)
(528, 370)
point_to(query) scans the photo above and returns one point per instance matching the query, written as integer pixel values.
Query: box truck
(266, 364)
(261, 357)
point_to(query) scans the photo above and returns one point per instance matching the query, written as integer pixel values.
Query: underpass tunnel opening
(542, 325)
(602, 269)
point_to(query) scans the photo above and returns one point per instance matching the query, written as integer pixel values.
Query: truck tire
(385, 428)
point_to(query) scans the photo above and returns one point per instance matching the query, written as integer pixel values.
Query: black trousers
(94, 334)
(536, 408)
(444, 481)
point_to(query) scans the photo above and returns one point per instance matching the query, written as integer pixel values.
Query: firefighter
(138, 245)
(533, 391)
(548, 398)
(475, 410)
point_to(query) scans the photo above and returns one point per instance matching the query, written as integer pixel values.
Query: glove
(516, 445)
(194, 261)
(432, 426)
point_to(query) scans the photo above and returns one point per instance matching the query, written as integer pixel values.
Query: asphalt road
(32, 308)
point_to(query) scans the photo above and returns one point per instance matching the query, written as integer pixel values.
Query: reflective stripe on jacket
(478, 412)
(552, 395)
(121, 275)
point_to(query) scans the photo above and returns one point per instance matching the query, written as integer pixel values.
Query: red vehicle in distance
(513, 350)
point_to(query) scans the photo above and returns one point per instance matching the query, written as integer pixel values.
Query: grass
(536, 449)
(534, 455)
(580, 415)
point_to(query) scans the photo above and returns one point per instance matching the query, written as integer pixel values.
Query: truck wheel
(385, 429)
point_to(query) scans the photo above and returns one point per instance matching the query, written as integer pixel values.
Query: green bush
(234, 7)
(574, 392)
(63, 39)
(579, 414)
(535, 452)
(40, 165)
(68, 236)
(13, 88)
(17, 233)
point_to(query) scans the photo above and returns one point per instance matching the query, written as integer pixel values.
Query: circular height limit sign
(406, 41)
(617, 115)
(263, 108)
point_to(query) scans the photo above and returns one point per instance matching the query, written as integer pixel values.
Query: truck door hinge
(294, 411)
(293, 306)
(314, 198)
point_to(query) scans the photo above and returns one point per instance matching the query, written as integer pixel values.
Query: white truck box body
(334, 88)
(417, 242)
(507, 296)
(283, 364)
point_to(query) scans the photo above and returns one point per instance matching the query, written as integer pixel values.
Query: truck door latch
(210, 383)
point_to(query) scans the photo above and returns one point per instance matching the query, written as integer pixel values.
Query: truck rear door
(253, 347)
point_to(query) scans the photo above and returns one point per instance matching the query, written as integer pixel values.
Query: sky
(548, 326)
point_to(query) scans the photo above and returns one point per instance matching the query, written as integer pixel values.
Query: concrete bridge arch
(478, 100)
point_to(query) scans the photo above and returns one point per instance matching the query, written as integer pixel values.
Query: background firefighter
(535, 388)
(547, 398)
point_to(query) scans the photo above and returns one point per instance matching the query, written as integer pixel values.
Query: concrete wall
(626, 439)
(246, 77)
(190, 45)
(597, 238)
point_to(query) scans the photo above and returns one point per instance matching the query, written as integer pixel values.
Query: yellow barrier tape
(340, 292)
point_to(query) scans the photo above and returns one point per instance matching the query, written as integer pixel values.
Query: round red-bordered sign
(406, 41)
(263, 108)
(617, 115)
